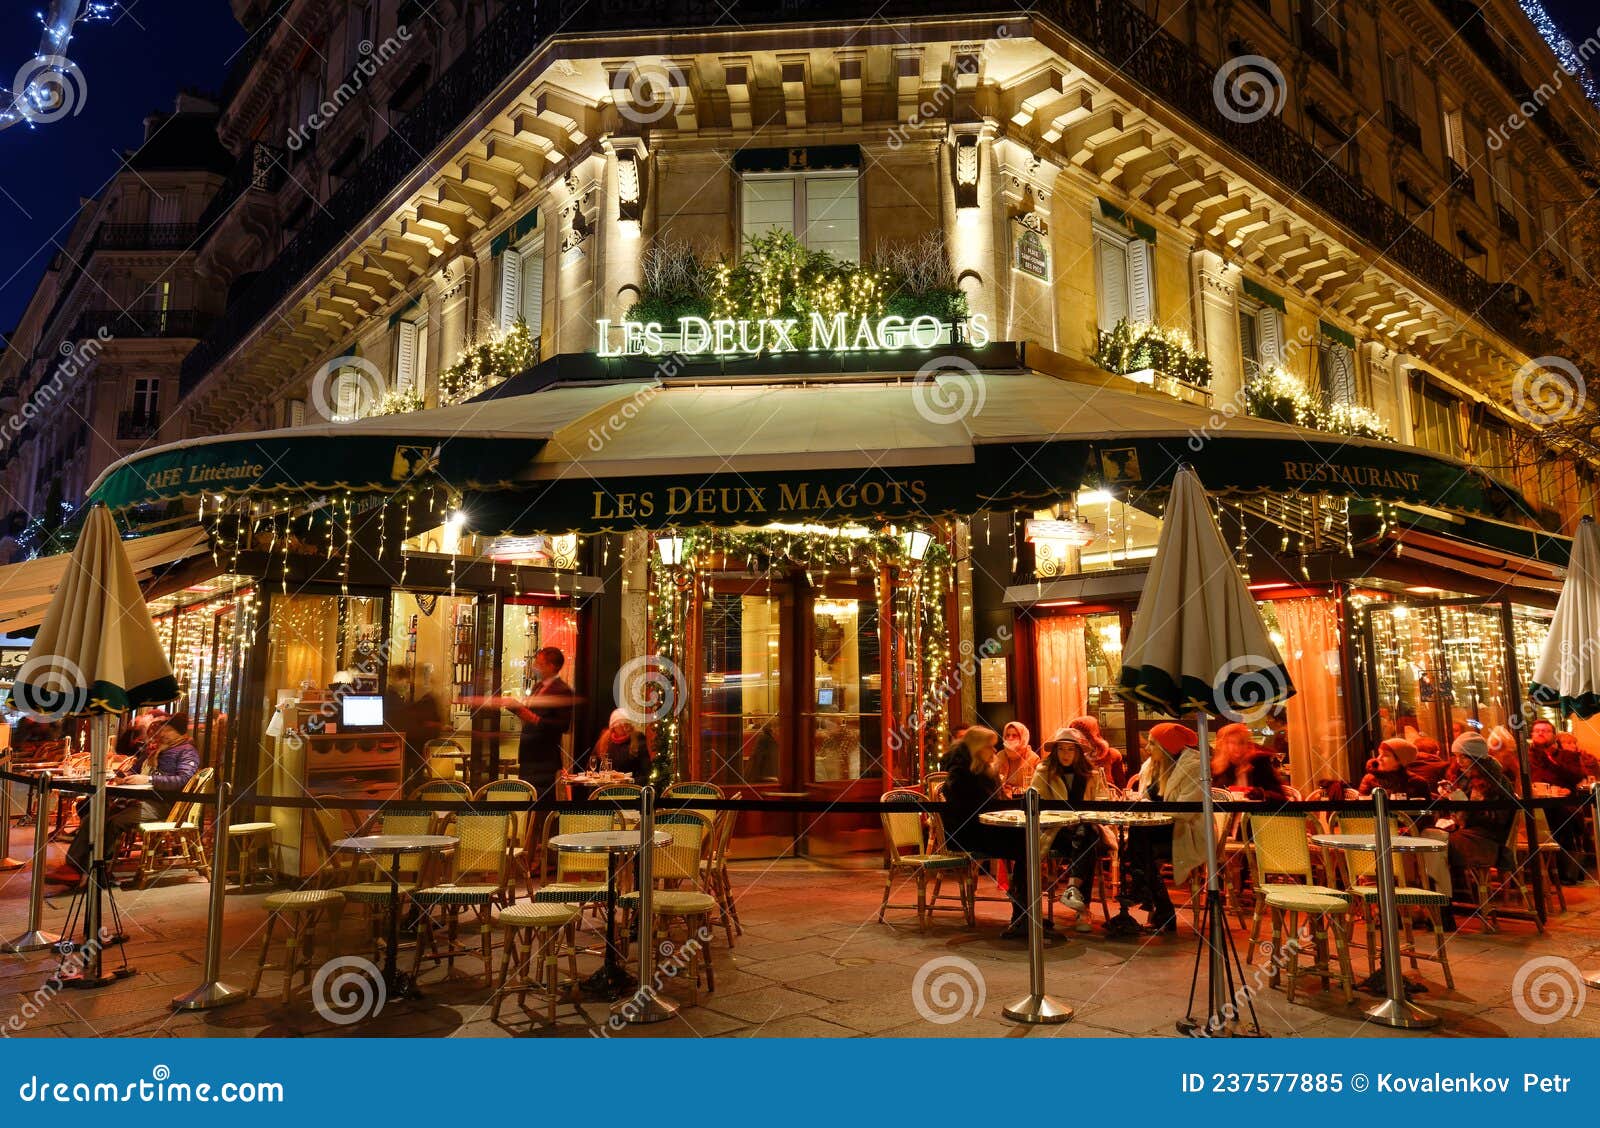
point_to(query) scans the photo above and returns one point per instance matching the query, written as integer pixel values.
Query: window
(1503, 190)
(1124, 279)
(823, 211)
(522, 286)
(165, 208)
(1321, 32)
(1260, 336)
(1397, 77)
(146, 397)
(294, 413)
(1455, 137)
(1336, 373)
(1493, 448)
(1435, 418)
(410, 355)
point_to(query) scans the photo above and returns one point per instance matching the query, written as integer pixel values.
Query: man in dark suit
(546, 717)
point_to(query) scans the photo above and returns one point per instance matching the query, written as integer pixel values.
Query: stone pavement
(812, 962)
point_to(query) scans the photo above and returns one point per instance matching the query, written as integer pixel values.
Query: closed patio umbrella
(1568, 673)
(97, 655)
(1198, 646)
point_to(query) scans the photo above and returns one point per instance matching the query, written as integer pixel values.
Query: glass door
(841, 711)
(744, 740)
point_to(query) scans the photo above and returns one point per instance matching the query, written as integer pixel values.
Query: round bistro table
(612, 980)
(398, 985)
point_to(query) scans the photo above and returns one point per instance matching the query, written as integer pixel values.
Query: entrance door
(840, 708)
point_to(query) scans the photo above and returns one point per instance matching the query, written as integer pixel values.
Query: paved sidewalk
(813, 962)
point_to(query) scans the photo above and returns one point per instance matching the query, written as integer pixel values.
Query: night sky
(135, 64)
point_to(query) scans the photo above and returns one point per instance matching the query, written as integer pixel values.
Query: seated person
(1017, 759)
(624, 746)
(1262, 780)
(1388, 769)
(973, 784)
(1066, 775)
(1476, 838)
(171, 760)
(1171, 772)
(1110, 761)
(1430, 765)
(1230, 752)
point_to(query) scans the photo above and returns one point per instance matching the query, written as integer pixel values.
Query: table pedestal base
(1401, 1014)
(609, 983)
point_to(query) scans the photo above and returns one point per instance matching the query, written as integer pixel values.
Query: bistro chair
(933, 780)
(906, 852)
(537, 936)
(1547, 857)
(519, 840)
(690, 789)
(1285, 885)
(479, 879)
(372, 891)
(1492, 885)
(578, 878)
(298, 912)
(444, 758)
(715, 876)
(1361, 875)
(1226, 823)
(175, 840)
(252, 846)
(677, 867)
(442, 791)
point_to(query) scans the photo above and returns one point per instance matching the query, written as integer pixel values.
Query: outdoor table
(1396, 1009)
(612, 979)
(583, 784)
(1050, 822)
(398, 986)
(1123, 923)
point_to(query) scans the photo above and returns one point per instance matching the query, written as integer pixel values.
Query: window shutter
(1249, 338)
(1141, 295)
(1270, 346)
(1341, 375)
(1111, 271)
(405, 355)
(294, 413)
(533, 288)
(510, 288)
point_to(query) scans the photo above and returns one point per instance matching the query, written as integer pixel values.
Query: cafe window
(1260, 336)
(1435, 418)
(1124, 276)
(822, 210)
(522, 286)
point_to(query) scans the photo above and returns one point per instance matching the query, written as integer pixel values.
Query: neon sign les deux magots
(699, 336)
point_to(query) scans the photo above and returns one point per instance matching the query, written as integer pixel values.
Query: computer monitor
(825, 696)
(357, 710)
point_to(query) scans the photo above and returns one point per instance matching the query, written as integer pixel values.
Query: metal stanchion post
(1395, 1010)
(7, 862)
(213, 992)
(1035, 1008)
(36, 939)
(645, 1005)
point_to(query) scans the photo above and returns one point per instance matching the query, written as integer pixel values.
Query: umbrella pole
(1593, 978)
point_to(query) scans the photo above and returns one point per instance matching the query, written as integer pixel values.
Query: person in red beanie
(1171, 772)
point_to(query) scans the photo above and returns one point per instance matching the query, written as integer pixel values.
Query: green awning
(1334, 333)
(1265, 296)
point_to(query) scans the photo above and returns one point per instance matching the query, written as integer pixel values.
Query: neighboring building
(91, 373)
(1359, 246)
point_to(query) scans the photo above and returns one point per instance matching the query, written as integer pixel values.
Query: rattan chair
(715, 877)
(299, 912)
(1492, 884)
(537, 936)
(480, 873)
(577, 878)
(693, 789)
(1361, 875)
(520, 841)
(1548, 855)
(676, 866)
(174, 842)
(906, 852)
(371, 887)
(1285, 884)
(442, 791)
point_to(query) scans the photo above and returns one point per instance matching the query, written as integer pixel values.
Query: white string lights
(49, 86)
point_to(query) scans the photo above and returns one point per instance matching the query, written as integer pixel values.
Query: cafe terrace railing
(1120, 34)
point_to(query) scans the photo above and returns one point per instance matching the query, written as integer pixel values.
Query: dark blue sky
(136, 64)
(131, 65)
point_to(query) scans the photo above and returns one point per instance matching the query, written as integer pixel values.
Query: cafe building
(816, 389)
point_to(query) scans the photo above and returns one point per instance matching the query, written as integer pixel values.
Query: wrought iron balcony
(1508, 222)
(114, 323)
(260, 168)
(1130, 42)
(146, 236)
(1404, 127)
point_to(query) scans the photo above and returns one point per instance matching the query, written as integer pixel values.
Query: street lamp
(671, 550)
(914, 543)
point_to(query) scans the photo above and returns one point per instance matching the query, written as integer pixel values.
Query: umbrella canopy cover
(1568, 674)
(97, 650)
(1198, 643)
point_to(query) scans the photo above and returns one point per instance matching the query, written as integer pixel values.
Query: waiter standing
(545, 717)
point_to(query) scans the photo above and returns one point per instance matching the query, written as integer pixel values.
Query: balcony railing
(142, 323)
(146, 236)
(1508, 222)
(260, 168)
(1127, 39)
(1404, 126)
(137, 425)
